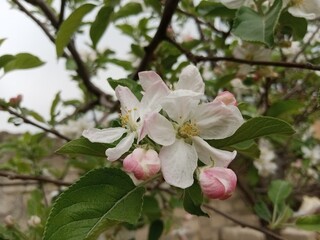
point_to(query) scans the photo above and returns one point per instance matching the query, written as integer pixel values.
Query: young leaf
(100, 24)
(53, 107)
(155, 230)
(4, 59)
(100, 199)
(85, 147)
(131, 8)
(193, 199)
(262, 211)
(254, 128)
(278, 191)
(21, 61)
(69, 26)
(254, 27)
(310, 223)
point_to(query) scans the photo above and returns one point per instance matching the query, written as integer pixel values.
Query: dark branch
(242, 224)
(35, 178)
(28, 121)
(160, 35)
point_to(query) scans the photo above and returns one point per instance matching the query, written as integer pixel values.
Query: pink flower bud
(227, 98)
(217, 182)
(142, 163)
(15, 101)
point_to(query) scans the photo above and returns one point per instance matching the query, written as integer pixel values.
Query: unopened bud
(34, 221)
(9, 221)
(227, 98)
(15, 101)
(142, 163)
(217, 182)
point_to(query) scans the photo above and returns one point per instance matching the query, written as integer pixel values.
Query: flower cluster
(167, 130)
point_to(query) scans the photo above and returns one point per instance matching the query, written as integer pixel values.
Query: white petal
(149, 78)
(151, 101)
(160, 129)
(190, 79)
(127, 99)
(309, 9)
(178, 163)
(233, 4)
(122, 147)
(108, 135)
(179, 105)
(207, 154)
(216, 120)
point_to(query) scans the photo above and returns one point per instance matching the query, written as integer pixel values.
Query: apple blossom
(142, 163)
(190, 124)
(217, 182)
(132, 114)
(308, 9)
(265, 164)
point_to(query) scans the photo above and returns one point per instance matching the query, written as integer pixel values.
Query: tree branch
(160, 35)
(242, 224)
(197, 58)
(42, 179)
(28, 121)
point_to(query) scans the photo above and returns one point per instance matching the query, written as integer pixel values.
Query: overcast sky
(38, 86)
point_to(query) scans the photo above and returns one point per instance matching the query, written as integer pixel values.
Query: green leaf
(310, 223)
(262, 211)
(70, 26)
(284, 106)
(298, 26)
(193, 199)
(100, 24)
(5, 59)
(126, 82)
(255, 128)
(278, 191)
(155, 230)
(33, 114)
(253, 27)
(100, 199)
(53, 107)
(131, 8)
(214, 9)
(85, 147)
(151, 208)
(248, 148)
(21, 61)
(2, 40)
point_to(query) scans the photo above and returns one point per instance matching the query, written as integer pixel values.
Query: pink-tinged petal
(127, 99)
(209, 155)
(149, 78)
(227, 98)
(151, 101)
(217, 182)
(122, 147)
(159, 129)
(142, 163)
(108, 135)
(309, 9)
(216, 120)
(179, 105)
(178, 163)
(190, 79)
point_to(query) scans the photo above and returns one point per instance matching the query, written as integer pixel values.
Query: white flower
(132, 117)
(191, 124)
(309, 205)
(264, 163)
(308, 9)
(34, 221)
(312, 154)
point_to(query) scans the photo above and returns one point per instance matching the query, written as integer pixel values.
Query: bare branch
(160, 35)
(41, 179)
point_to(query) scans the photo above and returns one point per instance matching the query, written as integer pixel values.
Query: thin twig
(42, 179)
(28, 121)
(160, 35)
(242, 224)
(197, 58)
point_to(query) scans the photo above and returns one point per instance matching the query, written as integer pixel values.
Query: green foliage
(297, 27)
(19, 62)
(70, 26)
(131, 8)
(125, 82)
(193, 199)
(155, 230)
(279, 191)
(262, 211)
(214, 9)
(99, 200)
(254, 128)
(85, 147)
(310, 223)
(257, 27)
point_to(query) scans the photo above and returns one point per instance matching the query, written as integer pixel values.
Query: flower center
(127, 120)
(188, 130)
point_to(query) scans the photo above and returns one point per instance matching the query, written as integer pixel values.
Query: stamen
(188, 130)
